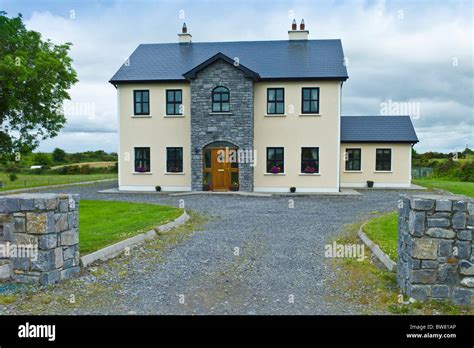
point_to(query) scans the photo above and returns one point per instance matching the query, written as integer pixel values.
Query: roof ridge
(233, 42)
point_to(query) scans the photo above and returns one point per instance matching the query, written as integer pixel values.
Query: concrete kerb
(381, 256)
(114, 250)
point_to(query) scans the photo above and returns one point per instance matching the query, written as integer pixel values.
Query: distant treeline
(59, 157)
(453, 166)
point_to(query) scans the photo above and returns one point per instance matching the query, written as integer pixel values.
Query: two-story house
(259, 116)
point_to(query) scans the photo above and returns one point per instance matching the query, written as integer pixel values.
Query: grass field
(32, 180)
(102, 223)
(383, 230)
(90, 164)
(458, 187)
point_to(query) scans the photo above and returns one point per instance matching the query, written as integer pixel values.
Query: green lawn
(34, 180)
(383, 231)
(458, 187)
(102, 223)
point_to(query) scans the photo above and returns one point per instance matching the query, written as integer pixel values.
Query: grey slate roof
(295, 59)
(375, 129)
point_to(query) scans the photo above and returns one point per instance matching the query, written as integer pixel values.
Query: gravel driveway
(255, 255)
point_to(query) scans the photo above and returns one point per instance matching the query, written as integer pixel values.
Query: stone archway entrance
(220, 167)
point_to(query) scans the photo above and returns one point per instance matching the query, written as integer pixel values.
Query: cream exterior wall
(156, 131)
(294, 131)
(399, 176)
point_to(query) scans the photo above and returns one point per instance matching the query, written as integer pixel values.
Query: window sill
(310, 115)
(221, 113)
(141, 116)
(174, 116)
(275, 115)
(383, 171)
(309, 174)
(276, 174)
(353, 171)
(174, 173)
(142, 173)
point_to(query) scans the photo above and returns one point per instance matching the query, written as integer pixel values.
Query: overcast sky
(416, 55)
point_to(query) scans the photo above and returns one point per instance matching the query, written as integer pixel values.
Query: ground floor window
(383, 160)
(142, 159)
(310, 160)
(174, 159)
(275, 160)
(353, 159)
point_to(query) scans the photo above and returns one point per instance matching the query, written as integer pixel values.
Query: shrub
(13, 177)
(59, 155)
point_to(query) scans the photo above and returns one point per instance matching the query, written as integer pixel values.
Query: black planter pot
(370, 183)
(292, 189)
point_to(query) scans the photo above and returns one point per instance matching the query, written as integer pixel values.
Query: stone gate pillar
(435, 247)
(39, 236)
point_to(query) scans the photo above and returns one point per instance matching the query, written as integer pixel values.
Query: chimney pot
(302, 24)
(184, 37)
(293, 25)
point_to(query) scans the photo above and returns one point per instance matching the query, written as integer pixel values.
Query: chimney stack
(184, 37)
(295, 34)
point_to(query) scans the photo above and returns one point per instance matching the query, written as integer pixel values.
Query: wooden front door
(220, 172)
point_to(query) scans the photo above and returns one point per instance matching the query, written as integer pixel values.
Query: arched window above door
(220, 99)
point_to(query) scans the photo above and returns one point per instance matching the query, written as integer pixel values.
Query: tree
(35, 76)
(59, 155)
(42, 159)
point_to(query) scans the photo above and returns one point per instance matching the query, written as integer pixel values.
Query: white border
(119, 159)
(338, 150)
(298, 189)
(146, 188)
(376, 184)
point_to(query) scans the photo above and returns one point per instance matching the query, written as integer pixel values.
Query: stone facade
(435, 247)
(235, 127)
(39, 236)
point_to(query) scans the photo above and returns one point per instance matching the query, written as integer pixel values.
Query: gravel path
(253, 256)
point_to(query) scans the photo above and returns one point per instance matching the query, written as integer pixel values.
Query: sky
(403, 57)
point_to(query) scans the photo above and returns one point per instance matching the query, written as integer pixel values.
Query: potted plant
(292, 189)
(206, 187)
(309, 170)
(158, 188)
(234, 186)
(370, 183)
(275, 170)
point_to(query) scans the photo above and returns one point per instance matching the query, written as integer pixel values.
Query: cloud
(417, 52)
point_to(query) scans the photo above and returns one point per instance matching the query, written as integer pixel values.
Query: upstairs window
(353, 159)
(174, 102)
(141, 101)
(275, 101)
(142, 159)
(310, 160)
(220, 100)
(174, 159)
(275, 160)
(310, 101)
(383, 160)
